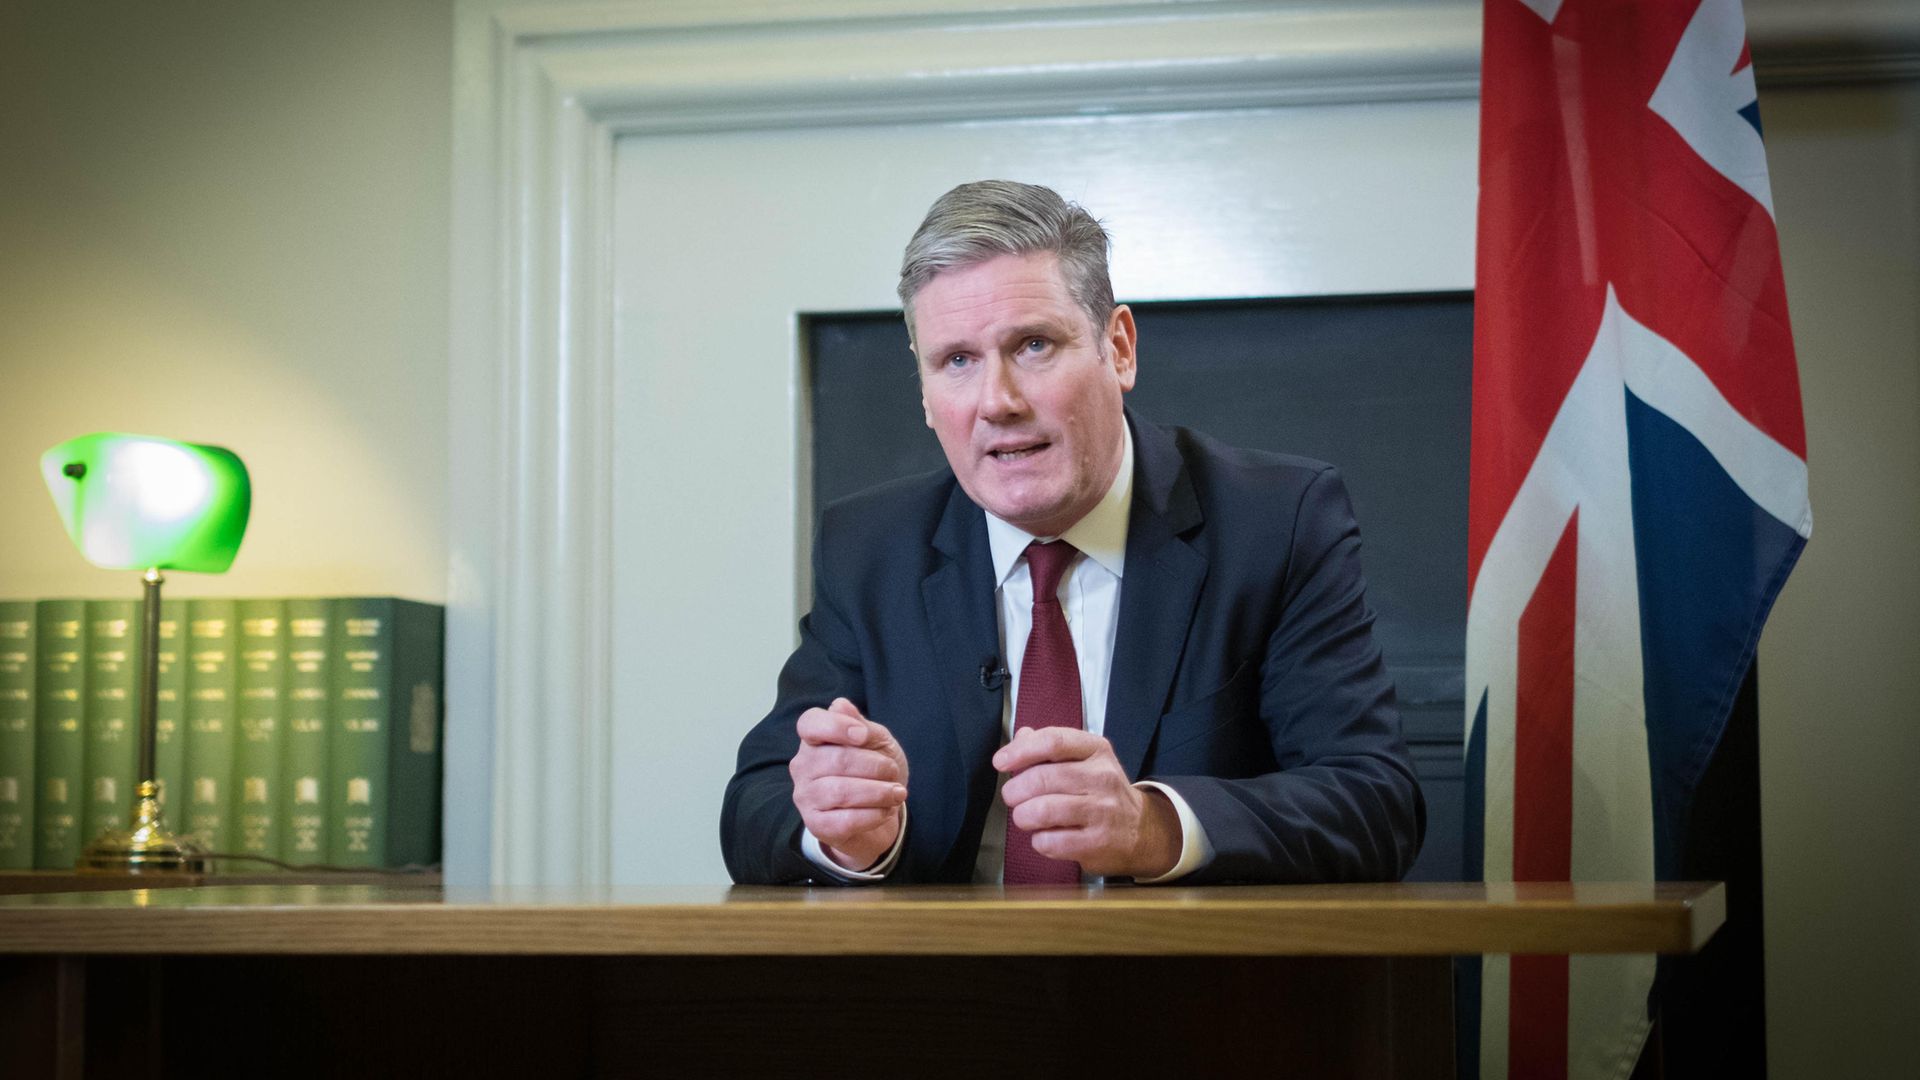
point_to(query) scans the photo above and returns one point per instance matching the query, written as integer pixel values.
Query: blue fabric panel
(1711, 563)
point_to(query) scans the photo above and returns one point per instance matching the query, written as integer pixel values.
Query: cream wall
(227, 222)
(1840, 660)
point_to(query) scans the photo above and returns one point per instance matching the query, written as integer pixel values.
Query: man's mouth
(1017, 453)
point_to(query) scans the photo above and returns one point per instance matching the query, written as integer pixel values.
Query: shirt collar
(1101, 535)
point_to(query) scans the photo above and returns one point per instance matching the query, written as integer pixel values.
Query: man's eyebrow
(1058, 330)
(945, 350)
(1046, 328)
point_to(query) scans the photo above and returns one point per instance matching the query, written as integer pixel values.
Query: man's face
(1022, 390)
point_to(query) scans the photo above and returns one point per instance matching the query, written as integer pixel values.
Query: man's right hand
(849, 783)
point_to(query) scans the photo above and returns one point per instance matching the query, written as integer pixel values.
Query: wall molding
(541, 93)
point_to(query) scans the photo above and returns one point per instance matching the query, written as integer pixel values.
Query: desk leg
(43, 1016)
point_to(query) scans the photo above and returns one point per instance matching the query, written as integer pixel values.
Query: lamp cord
(319, 868)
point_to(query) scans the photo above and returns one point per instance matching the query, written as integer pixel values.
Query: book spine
(16, 734)
(308, 713)
(356, 746)
(59, 752)
(413, 739)
(261, 682)
(211, 639)
(113, 694)
(170, 722)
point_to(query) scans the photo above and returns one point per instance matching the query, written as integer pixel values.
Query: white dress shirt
(1090, 599)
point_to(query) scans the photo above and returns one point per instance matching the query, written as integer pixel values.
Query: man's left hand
(1067, 788)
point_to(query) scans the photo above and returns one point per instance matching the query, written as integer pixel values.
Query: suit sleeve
(1344, 804)
(759, 825)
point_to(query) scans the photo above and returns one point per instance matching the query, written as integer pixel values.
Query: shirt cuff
(817, 855)
(1196, 850)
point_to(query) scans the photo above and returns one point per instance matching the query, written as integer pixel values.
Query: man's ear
(1120, 340)
(925, 413)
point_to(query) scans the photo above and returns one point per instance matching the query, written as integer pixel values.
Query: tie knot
(1048, 563)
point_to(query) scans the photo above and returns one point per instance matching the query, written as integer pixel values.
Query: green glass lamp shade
(132, 502)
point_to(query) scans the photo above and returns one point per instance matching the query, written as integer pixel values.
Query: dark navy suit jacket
(1245, 674)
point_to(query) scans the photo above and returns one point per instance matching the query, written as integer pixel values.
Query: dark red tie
(1049, 697)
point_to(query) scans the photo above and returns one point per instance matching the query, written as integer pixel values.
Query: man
(1090, 647)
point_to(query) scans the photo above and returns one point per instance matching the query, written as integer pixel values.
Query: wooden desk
(370, 980)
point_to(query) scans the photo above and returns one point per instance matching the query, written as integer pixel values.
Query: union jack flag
(1639, 477)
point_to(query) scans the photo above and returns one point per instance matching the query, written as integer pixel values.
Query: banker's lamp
(131, 502)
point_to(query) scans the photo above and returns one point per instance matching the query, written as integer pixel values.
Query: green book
(212, 635)
(112, 714)
(383, 801)
(261, 680)
(60, 749)
(169, 719)
(308, 710)
(16, 734)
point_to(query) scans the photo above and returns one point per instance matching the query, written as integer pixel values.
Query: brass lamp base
(146, 847)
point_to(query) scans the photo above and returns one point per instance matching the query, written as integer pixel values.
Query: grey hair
(989, 218)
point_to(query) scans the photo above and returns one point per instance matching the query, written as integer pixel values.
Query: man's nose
(1000, 397)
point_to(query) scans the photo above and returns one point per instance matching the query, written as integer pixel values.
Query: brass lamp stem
(146, 845)
(150, 671)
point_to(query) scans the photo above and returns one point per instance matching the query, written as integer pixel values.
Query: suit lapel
(1157, 595)
(964, 628)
